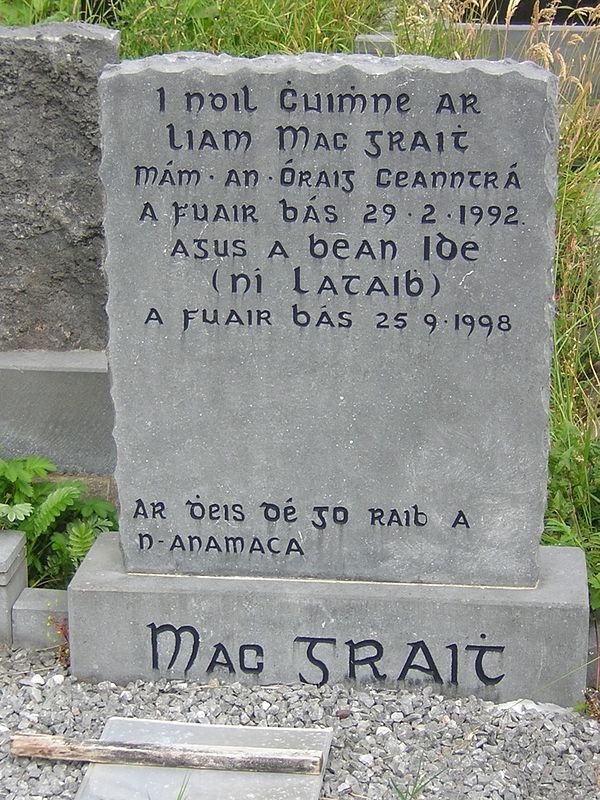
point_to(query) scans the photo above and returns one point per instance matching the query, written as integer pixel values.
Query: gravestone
(55, 397)
(51, 211)
(330, 305)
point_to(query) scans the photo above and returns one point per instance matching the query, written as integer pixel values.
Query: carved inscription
(320, 518)
(376, 265)
(182, 648)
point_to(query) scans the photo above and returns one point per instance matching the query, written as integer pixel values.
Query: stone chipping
(384, 741)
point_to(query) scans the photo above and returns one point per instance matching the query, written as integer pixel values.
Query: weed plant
(451, 29)
(59, 520)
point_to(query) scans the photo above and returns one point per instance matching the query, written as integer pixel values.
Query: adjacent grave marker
(126, 782)
(51, 214)
(330, 304)
(55, 395)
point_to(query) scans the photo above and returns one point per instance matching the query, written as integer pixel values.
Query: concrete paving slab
(122, 782)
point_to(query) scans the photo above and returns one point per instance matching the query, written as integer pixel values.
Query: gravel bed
(382, 738)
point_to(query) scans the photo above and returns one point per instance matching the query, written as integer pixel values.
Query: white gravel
(468, 748)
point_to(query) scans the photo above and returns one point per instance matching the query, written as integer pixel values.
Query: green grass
(573, 515)
(245, 27)
(238, 27)
(28, 12)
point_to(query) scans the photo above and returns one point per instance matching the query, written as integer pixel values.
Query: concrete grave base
(13, 578)
(38, 616)
(499, 644)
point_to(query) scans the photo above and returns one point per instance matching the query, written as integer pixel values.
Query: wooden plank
(248, 759)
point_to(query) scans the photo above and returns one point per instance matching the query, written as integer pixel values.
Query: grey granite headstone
(330, 301)
(53, 289)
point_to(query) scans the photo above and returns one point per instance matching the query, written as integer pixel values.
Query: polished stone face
(330, 304)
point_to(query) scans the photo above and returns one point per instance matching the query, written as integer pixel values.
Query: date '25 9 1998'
(461, 322)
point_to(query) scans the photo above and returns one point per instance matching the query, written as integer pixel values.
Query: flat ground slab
(122, 782)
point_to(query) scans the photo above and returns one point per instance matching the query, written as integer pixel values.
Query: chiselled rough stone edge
(552, 134)
(58, 31)
(545, 630)
(575, 42)
(317, 63)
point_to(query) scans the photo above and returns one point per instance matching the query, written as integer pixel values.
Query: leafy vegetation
(573, 516)
(59, 520)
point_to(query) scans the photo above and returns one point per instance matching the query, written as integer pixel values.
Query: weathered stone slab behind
(53, 288)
